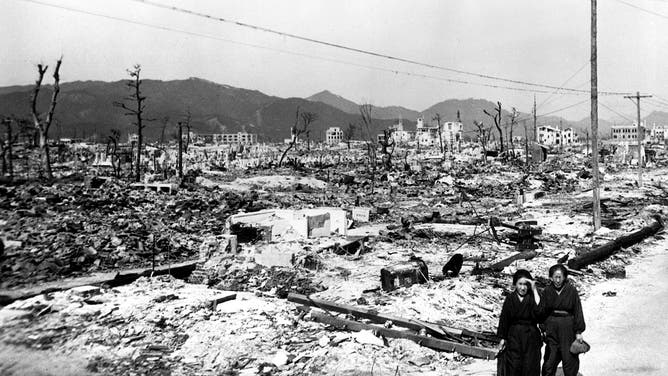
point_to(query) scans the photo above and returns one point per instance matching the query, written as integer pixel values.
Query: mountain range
(85, 109)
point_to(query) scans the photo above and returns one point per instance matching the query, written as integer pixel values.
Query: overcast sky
(541, 41)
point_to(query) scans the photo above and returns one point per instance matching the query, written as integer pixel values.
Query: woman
(518, 328)
(564, 323)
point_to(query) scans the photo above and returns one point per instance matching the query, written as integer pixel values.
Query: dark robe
(518, 325)
(564, 320)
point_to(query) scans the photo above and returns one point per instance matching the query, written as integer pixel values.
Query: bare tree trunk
(44, 154)
(280, 162)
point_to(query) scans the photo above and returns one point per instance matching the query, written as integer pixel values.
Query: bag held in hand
(579, 347)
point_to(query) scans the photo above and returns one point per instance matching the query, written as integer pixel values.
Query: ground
(166, 326)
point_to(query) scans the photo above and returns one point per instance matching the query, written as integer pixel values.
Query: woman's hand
(579, 337)
(502, 346)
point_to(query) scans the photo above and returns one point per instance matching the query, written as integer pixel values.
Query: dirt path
(628, 332)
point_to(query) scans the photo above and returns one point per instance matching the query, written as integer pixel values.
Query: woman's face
(522, 286)
(558, 278)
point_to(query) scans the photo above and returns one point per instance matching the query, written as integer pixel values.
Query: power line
(563, 84)
(643, 9)
(614, 111)
(301, 54)
(358, 50)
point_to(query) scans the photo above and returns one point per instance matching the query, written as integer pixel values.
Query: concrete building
(626, 133)
(226, 138)
(399, 135)
(549, 135)
(333, 136)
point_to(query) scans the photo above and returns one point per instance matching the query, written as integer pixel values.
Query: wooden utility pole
(641, 134)
(180, 161)
(535, 127)
(594, 122)
(561, 137)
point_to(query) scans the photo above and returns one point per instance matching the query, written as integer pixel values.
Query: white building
(626, 133)
(333, 136)
(399, 135)
(451, 132)
(549, 135)
(226, 138)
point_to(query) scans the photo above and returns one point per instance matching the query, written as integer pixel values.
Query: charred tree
(483, 137)
(349, 133)
(387, 145)
(134, 106)
(496, 117)
(112, 150)
(440, 133)
(186, 123)
(42, 124)
(367, 129)
(513, 122)
(306, 118)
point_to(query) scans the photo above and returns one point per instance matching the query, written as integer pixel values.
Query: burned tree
(513, 122)
(367, 129)
(186, 124)
(163, 128)
(497, 122)
(134, 106)
(6, 149)
(42, 125)
(349, 133)
(387, 144)
(112, 150)
(306, 119)
(483, 137)
(437, 117)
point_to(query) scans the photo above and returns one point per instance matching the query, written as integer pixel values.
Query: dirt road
(628, 332)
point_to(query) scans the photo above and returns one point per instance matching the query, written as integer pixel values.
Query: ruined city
(174, 200)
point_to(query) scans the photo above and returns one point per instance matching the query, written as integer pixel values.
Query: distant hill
(350, 107)
(85, 109)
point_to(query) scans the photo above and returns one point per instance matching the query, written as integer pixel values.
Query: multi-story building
(333, 136)
(627, 133)
(226, 138)
(549, 135)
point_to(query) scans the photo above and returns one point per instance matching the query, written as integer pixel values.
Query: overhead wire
(643, 9)
(301, 54)
(358, 50)
(615, 112)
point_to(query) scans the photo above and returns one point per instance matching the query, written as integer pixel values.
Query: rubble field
(231, 316)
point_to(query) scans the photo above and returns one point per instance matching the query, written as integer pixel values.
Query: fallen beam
(498, 266)
(607, 249)
(430, 342)
(381, 318)
(7, 296)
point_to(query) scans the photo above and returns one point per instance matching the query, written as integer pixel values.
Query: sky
(538, 41)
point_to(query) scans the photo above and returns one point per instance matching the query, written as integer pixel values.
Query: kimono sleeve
(504, 319)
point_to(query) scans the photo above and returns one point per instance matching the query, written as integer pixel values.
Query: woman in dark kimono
(564, 323)
(518, 328)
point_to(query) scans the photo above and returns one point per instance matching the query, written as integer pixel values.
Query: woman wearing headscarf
(564, 323)
(518, 328)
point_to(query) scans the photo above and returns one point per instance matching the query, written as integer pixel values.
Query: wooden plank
(430, 342)
(221, 299)
(380, 318)
(123, 277)
(527, 255)
(607, 249)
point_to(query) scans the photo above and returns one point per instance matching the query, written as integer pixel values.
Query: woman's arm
(578, 316)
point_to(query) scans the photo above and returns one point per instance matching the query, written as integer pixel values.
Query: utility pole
(535, 128)
(561, 137)
(180, 161)
(526, 143)
(594, 121)
(641, 134)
